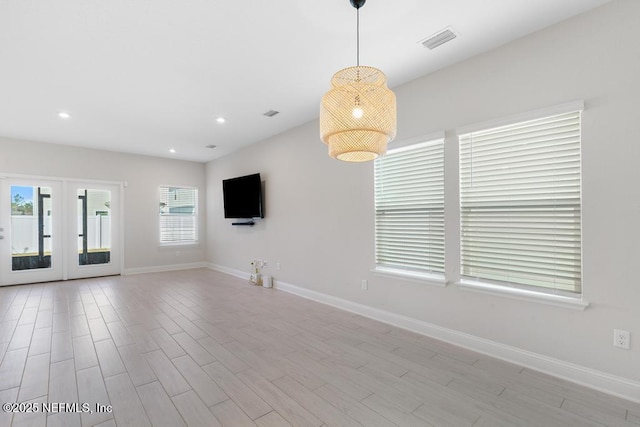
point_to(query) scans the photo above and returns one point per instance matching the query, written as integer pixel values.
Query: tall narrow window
(94, 226)
(520, 204)
(178, 215)
(409, 204)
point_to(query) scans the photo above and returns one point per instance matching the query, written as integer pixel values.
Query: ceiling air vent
(439, 38)
(271, 113)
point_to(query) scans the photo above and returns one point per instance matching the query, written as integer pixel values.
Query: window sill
(524, 294)
(178, 244)
(412, 276)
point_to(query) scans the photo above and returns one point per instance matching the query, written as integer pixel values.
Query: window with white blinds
(178, 215)
(409, 205)
(521, 204)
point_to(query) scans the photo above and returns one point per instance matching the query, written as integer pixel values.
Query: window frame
(407, 272)
(520, 291)
(196, 229)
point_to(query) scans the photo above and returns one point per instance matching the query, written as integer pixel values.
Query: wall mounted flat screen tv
(243, 197)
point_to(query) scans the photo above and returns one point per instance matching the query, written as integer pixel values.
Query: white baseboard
(607, 383)
(163, 268)
(228, 270)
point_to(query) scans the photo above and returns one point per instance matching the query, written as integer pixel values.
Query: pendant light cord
(358, 36)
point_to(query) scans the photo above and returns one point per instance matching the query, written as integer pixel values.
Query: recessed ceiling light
(221, 120)
(210, 146)
(172, 150)
(64, 115)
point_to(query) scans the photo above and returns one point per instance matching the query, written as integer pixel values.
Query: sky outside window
(21, 200)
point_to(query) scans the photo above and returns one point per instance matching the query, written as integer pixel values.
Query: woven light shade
(358, 115)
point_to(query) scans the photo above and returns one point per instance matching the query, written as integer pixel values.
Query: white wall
(144, 176)
(319, 212)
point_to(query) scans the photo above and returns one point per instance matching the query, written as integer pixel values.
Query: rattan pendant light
(358, 113)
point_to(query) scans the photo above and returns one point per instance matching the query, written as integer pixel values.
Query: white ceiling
(144, 76)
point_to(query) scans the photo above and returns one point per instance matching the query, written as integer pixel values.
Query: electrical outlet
(621, 338)
(278, 265)
(365, 285)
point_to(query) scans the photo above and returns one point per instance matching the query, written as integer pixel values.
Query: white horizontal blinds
(409, 203)
(520, 203)
(178, 214)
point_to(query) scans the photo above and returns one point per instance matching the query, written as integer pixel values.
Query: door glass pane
(94, 227)
(30, 227)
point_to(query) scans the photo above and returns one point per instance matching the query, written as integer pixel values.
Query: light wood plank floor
(201, 348)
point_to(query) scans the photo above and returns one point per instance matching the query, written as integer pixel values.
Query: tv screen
(243, 197)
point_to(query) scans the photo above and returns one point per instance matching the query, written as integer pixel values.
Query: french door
(58, 229)
(30, 231)
(94, 249)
